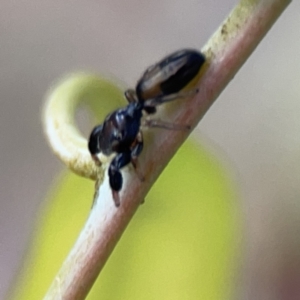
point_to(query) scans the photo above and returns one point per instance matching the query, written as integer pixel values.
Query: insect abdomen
(170, 75)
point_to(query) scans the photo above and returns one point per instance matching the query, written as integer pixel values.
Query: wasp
(121, 133)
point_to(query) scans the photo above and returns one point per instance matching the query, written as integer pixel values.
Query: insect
(120, 133)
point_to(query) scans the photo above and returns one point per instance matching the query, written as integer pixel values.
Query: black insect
(121, 133)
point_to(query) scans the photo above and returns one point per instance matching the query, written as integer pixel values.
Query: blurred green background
(181, 244)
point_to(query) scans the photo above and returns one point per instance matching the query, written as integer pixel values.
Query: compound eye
(93, 143)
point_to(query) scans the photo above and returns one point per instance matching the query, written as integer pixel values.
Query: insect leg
(135, 152)
(131, 96)
(115, 176)
(165, 125)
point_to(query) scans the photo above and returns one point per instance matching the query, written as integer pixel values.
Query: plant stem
(226, 51)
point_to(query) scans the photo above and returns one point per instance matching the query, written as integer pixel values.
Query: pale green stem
(226, 51)
(59, 119)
